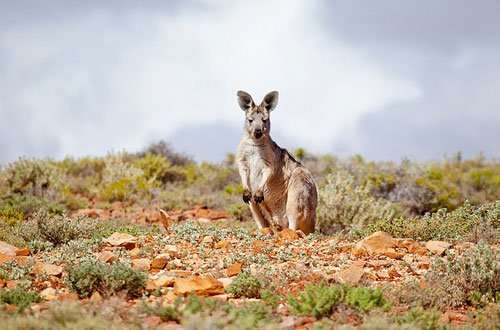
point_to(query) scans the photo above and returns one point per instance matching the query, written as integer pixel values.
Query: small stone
(123, 240)
(288, 234)
(393, 273)
(226, 281)
(141, 263)
(95, 297)
(53, 270)
(23, 252)
(437, 247)
(258, 245)
(378, 243)
(134, 252)
(11, 284)
(234, 269)
(208, 239)
(266, 231)
(165, 281)
(383, 275)
(394, 254)
(68, 297)
(171, 250)
(7, 249)
(107, 256)
(160, 261)
(222, 245)
(151, 285)
(201, 285)
(352, 275)
(48, 294)
(166, 220)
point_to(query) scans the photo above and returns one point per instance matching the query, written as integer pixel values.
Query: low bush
(321, 300)
(55, 229)
(247, 285)
(19, 298)
(343, 205)
(90, 275)
(473, 223)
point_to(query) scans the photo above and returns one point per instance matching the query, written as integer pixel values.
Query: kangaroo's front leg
(258, 196)
(244, 174)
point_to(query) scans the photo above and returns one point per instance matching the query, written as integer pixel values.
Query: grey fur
(281, 192)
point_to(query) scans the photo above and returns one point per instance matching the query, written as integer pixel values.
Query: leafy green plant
(90, 275)
(473, 277)
(246, 285)
(55, 229)
(19, 298)
(10, 216)
(321, 300)
(469, 222)
(342, 205)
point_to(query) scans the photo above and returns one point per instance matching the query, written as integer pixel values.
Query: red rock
(48, 269)
(68, 297)
(222, 245)
(258, 245)
(165, 281)
(48, 294)
(377, 243)
(160, 261)
(165, 219)
(4, 258)
(393, 273)
(202, 285)
(141, 263)
(383, 275)
(171, 250)
(7, 249)
(352, 275)
(234, 269)
(107, 256)
(288, 234)
(23, 252)
(266, 231)
(437, 247)
(394, 254)
(125, 240)
(95, 297)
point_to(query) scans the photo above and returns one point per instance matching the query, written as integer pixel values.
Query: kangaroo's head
(257, 121)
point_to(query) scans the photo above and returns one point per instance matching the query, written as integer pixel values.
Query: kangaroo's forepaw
(258, 197)
(247, 196)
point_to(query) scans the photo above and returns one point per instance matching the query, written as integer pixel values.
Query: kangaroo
(280, 191)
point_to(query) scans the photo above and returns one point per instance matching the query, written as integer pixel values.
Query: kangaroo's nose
(258, 133)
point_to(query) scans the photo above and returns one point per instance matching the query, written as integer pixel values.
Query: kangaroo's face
(257, 121)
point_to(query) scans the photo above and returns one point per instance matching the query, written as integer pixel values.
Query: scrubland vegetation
(282, 282)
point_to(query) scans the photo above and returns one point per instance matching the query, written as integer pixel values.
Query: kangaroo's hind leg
(301, 202)
(259, 218)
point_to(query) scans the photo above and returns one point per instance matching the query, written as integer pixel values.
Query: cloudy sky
(385, 79)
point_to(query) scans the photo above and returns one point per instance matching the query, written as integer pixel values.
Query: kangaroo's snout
(258, 133)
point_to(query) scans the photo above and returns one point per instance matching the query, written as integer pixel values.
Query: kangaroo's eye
(250, 120)
(264, 120)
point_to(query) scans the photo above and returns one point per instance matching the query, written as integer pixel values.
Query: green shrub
(467, 222)
(473, 277)
(90, 275)
(10, 216)
(158, 168)
(316, 300)
(122, 181)
(55, 229)
(64, 316)
(27, 205)
(321, 300)
(246, 285)
(19, 298)
(33, 177)
(343, 205)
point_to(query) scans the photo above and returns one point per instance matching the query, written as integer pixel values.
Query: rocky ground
(199, 251)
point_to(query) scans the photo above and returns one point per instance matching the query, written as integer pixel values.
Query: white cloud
(100, 81)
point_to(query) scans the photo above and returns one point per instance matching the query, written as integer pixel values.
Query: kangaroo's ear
(270, 100)
(245, 100)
